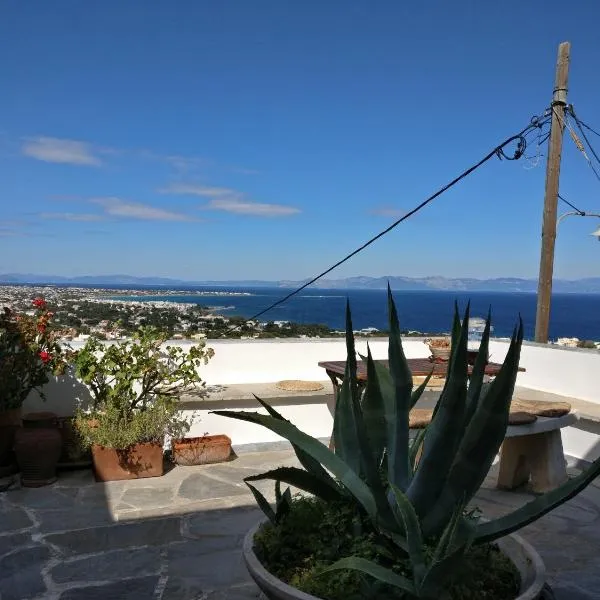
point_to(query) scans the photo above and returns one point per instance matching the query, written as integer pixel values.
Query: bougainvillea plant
(30, 353)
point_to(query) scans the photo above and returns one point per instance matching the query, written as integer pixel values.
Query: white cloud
(115, 207)
(191, 189)
(229, 200)
(243, 207)
(388, 211)
(57, 150)
(82, 217)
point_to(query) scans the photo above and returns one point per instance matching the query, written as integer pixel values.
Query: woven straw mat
(296, 385)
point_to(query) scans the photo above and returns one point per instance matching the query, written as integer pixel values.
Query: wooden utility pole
(559, 104)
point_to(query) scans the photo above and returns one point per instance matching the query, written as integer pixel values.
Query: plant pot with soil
(439, 348)
(384, 516)
(135, 386)
(201, 450)
(29, 355)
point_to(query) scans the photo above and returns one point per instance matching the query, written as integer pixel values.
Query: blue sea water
(572, 315)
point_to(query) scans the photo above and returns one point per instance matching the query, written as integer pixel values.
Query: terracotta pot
(10, 421)
(73, 455)
(201, 450)
(136, 462)
(38, 445)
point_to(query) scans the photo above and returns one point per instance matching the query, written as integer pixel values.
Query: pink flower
(39, 303)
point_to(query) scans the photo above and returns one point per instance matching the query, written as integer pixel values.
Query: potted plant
(390, 518)
(202, 450)
(30, 353)
(135, 386)
(439, 348)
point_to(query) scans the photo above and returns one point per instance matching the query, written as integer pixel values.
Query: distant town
(116, 314)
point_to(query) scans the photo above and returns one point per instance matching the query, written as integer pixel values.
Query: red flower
(44, 356)
(41, 328)
(39, 303)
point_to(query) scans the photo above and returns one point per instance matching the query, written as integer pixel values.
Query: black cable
(584, 136)
(497, 151)
(584, 124)
(581, 212)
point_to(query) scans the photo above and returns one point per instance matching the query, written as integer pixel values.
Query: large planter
(201, 450)
(135, 462)
(10, 421)
(522, 554)
(38, 446)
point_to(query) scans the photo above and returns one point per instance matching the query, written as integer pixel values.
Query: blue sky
(266, 139)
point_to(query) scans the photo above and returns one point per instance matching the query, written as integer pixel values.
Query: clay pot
(201, 450)
(136, 462)
(10, 421)
(38, 446)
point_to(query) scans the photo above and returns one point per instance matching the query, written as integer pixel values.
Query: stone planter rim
(521, 553)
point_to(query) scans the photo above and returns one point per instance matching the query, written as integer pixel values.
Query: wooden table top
(419, 367)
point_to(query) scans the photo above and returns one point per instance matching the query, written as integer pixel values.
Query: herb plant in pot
(387, 517)
(135, 385)
(30, 353)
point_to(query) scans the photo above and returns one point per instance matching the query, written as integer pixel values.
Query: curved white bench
(535, 451)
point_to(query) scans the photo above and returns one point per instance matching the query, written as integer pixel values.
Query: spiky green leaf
(481, 441)
(355, 563)
(301, 479)
(532, 511)
(416, 445)
(478, 374)
(416, 395)
(307, 461)
(373, 410)
(397, 406)
(409, 521)
(333, 463)
(444, 432)
(263, 504)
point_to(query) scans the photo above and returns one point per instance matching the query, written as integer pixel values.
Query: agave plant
(414, 492)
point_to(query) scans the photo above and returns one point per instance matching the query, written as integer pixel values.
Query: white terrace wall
(568, 372)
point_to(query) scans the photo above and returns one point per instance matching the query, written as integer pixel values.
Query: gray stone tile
(232, 523)
(122, 535)
(243, 592)
(13, 519)
(43, 498)
(20, 573)
(183, 588)
(202, 487)
(140, 588)
(119, 564)
(211, 571)
(51, 521)
(12, 541)
(147, 497)
(75, 478)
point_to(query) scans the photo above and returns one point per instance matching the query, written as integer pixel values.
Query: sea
(572, 315)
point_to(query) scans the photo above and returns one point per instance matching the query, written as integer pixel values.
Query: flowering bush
(29, 354)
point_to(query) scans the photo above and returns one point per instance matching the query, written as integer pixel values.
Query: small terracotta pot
(201, 450)
(38, 445)
(136, 462)
(10, 421)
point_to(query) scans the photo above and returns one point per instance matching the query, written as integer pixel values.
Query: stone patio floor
(178, 537)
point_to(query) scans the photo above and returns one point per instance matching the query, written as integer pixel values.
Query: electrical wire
(519, 138)
(581, 212)
(582, 123)
(578, 122)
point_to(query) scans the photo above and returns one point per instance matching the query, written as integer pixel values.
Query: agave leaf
(354, 563)
(481, 441)
(416, 395)
(478, 373)
(397, 405)
(284, 505)
(444, 432)
(532, 511)
(410, 523)
(277, 491)
(373, 410)
(333, 463)
(416, 444)
(301, 479)
(307, 461)
(263, 504)
(346, 446)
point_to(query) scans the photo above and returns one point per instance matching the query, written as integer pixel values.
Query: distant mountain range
(502, 284)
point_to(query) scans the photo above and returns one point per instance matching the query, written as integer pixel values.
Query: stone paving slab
(179, 537)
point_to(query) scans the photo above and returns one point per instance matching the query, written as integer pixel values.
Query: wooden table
(529, 452)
